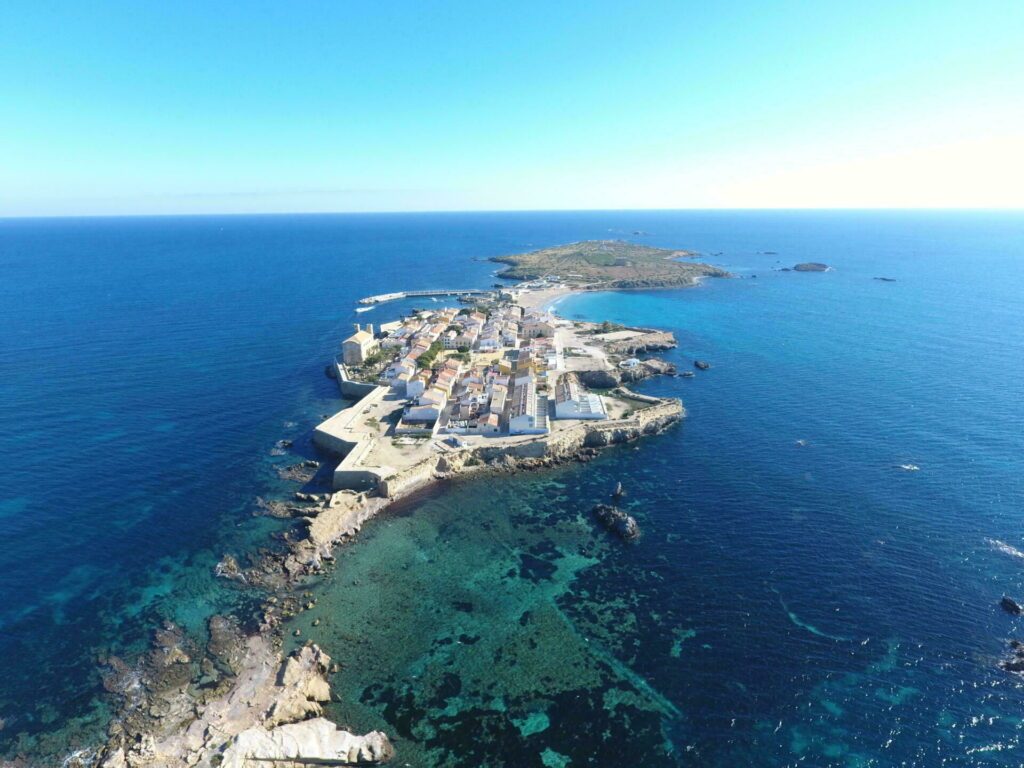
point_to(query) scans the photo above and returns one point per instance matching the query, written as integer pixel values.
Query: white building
(573, 402)
(528, 411)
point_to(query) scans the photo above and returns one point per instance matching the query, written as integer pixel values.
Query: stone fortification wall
(562, 444)
(354, 390)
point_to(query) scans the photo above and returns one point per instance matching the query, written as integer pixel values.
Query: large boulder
(313, 741)
(617, 521)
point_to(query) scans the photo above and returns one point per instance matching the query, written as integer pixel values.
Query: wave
(1006, 549)
(809, 627)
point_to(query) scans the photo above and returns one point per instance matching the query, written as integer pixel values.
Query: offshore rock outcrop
(811, 266)
(618, 522)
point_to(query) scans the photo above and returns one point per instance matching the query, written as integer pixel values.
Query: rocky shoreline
(238, 702)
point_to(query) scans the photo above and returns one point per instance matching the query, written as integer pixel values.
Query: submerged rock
(702, 365)
(1010, 605)
(1015, 661)
(617, 521)
(228, 568)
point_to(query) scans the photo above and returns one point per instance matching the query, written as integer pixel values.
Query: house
(450, 340)
(573, 402)
(445, 381)
(499, 396)
(433, 396)
(536, 324)
(489, 425)
(401, 383)
(359, 346)
(416, 385)
(428, 407)
(510, 335)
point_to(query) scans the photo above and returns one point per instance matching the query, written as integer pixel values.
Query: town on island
(499, 383)
(502, 373)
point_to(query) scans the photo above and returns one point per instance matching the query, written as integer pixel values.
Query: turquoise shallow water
(787, 604)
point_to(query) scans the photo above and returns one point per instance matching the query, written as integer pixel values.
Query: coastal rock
(811, 266)
(1010, 605)
(228, 568)
(298, 473)
(273, 508)
(647, 341)
(702, 365)
(304, 683)
(265, 695)
(617, 521)
(600, 379)
(226, 647)
(314, 740)
(1015, 661)
(646, 369)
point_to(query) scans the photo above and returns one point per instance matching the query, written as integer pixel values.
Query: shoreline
(267, 703)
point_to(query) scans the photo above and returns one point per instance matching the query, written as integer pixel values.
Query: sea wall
(339, 434)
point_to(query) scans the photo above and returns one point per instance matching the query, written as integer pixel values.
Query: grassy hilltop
(609, 264)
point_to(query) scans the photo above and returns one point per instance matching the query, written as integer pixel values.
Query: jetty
(382, 297)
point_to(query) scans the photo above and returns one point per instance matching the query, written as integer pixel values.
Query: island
(811, 266)
(500, 384)
(608, 265)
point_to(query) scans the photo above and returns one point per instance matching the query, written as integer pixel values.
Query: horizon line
(442, 211)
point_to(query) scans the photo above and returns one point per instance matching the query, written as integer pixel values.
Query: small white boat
(909, 467)
(363, 309)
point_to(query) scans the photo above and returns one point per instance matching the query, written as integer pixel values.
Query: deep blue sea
(790, 603)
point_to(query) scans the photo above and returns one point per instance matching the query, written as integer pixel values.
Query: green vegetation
(611, 264)
(427, 359)
(377, 358)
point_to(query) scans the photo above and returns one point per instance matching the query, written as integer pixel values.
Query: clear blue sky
(165, 107)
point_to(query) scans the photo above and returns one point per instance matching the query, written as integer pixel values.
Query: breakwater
(380, 298)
